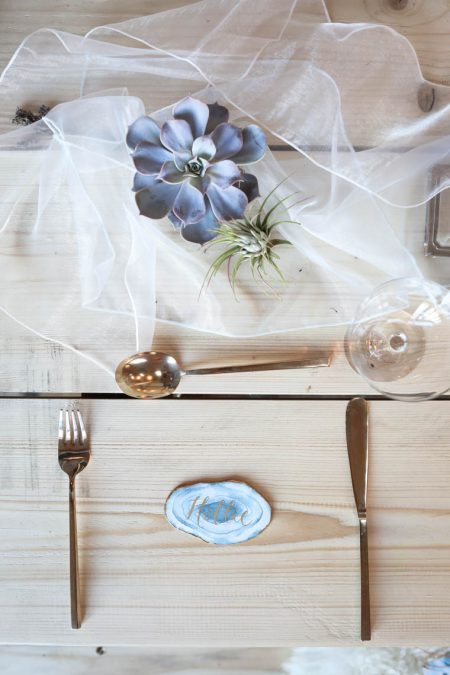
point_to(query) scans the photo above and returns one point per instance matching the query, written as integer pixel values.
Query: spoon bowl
(148, 375)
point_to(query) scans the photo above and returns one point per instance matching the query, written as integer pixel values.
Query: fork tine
(74, 426)
(68, 432)
(61, 425)
(82, 428)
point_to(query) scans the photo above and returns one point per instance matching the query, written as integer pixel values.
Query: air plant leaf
(249, 240)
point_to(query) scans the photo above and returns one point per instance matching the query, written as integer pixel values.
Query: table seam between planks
(86, 396)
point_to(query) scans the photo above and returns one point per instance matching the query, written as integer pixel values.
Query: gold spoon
(155, 374)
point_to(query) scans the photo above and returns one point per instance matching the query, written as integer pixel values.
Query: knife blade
(357, 423)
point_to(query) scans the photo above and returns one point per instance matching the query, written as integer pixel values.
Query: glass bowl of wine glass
(399, 340)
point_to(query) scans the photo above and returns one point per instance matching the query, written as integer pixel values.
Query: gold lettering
(228, 510)
(194, 503)
(202, 505)
(242, 517)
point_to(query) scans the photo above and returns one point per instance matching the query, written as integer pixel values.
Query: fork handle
(74, 580)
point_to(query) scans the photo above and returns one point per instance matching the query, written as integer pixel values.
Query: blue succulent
(188, 169)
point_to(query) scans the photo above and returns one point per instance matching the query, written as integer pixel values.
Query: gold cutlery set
(74, 455)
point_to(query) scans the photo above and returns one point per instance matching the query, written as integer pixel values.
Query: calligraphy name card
(229, 512)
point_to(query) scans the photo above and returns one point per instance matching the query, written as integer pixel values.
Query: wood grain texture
(426, 23)
(18, 660)
(145, 583)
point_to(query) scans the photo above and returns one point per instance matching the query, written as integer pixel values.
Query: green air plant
(250, 240)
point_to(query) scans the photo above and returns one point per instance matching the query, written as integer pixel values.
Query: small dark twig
(24, 117)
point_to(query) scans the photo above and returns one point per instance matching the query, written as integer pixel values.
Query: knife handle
(365, 593)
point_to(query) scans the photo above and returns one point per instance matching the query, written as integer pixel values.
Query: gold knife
(357, 446)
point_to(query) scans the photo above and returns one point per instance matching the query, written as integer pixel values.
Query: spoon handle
(319, 362)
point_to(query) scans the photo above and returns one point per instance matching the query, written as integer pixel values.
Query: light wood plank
(17, 660)
(427, 31)
(425, 24)
(145, 583)
(35, 365)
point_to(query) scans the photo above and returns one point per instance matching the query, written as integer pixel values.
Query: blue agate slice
(229, 512)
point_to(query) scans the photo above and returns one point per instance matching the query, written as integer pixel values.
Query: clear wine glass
(399, 340)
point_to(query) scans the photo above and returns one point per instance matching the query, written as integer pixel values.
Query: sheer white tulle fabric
(82, 268)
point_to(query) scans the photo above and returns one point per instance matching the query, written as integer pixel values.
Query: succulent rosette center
(196, 166)
(190, 168)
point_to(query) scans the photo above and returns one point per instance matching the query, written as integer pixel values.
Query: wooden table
(145, 583)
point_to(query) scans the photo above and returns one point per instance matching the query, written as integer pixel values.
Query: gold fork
(73, 457)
